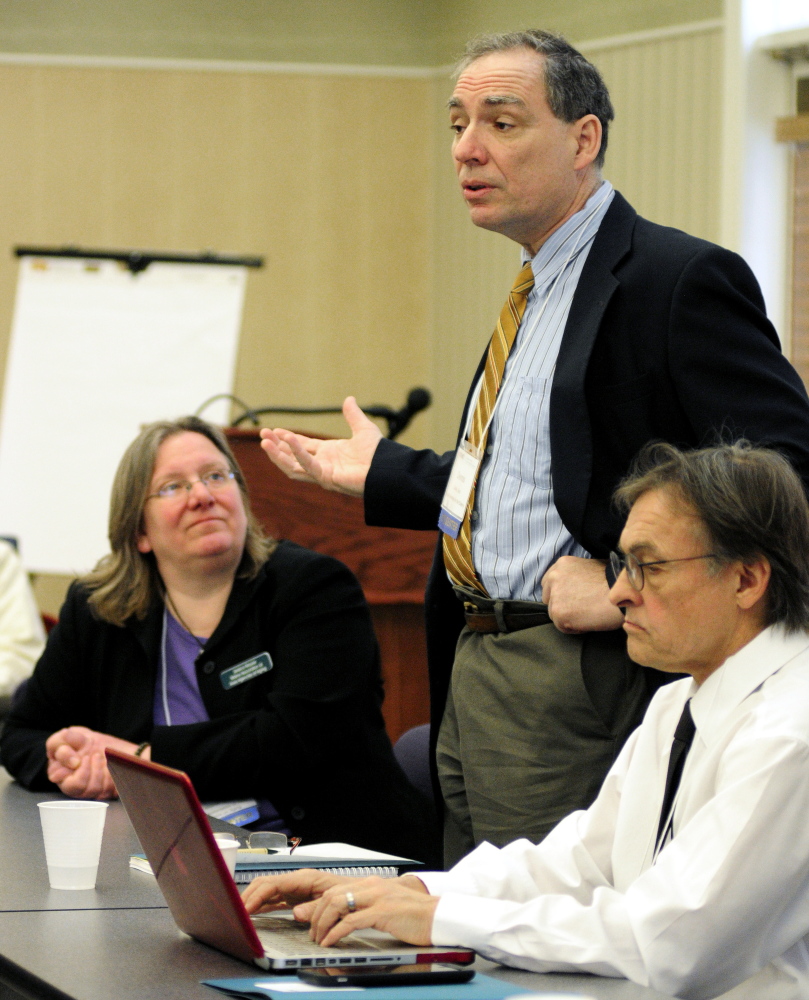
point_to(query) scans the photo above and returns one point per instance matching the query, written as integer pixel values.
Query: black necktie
(680, 745)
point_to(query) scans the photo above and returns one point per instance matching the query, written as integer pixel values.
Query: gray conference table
(120, 941)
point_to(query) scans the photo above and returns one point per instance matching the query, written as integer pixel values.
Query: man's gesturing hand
(577, 596)
(339, 465)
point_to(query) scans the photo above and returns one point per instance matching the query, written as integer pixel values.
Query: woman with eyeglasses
(203, 645)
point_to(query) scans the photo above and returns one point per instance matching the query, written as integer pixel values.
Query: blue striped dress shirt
(517, 533)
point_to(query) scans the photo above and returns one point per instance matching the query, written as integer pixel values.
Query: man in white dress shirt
(690, 872)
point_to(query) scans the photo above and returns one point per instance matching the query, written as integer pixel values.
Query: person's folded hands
(76, 761)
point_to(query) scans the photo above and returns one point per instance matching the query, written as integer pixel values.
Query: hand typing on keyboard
(334, 906)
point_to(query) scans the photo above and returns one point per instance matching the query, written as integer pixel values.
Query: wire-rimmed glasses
(634, 569)
(216, 479)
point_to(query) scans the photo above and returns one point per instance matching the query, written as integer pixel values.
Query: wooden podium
(392, 565)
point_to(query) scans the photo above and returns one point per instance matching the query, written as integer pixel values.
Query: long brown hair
(126, 581)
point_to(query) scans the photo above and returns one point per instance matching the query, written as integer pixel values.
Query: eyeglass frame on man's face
(618, 562)
(171, 490)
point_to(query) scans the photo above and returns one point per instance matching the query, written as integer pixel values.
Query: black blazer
(667, 339)
(308, 735)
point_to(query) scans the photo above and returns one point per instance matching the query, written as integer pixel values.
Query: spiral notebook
(336, 858)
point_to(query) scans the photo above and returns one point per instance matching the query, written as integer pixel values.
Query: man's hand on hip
(340, 465)
(577, 596)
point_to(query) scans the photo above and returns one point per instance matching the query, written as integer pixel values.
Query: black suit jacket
(666, 339)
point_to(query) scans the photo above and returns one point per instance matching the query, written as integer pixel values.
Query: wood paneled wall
(359, 32)
(664, 149)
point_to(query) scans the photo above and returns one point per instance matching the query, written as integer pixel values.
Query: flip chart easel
(100, 346)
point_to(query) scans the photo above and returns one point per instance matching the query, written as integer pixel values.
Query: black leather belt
(482, 614)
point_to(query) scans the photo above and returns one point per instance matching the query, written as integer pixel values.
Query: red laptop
(177, 839)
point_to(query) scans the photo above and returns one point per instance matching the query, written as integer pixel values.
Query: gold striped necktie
(458, 551)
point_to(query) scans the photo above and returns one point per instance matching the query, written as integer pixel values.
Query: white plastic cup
(72, 832)
(228, 845)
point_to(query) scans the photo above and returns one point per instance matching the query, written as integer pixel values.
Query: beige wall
(358, 32)
(664, 149)
(289, 167)
(579, 21)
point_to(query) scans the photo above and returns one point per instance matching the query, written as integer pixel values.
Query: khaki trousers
(521, 744)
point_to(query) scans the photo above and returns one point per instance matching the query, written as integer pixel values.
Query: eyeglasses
(215, 480)
(271, 841)
(634, 569)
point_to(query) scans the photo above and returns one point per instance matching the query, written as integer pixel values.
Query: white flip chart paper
(96, 352)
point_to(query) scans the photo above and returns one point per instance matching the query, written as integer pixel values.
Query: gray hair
(752, 505)
(573, 86)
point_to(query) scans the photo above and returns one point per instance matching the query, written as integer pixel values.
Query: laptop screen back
(176, 837)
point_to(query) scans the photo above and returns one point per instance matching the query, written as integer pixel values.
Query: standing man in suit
(617, 332)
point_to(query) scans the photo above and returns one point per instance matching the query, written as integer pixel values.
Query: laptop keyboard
(282, 936)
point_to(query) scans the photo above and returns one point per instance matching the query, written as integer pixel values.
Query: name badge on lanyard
(246, 671)
(461, 481)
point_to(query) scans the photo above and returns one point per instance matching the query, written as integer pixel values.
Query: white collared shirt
(725, 906)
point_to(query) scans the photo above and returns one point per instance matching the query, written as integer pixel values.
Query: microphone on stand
(418, 399)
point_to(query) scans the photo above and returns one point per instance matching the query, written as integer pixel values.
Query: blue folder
(261, 988)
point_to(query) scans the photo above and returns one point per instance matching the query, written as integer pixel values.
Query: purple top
(178, 691)
(177, 700)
